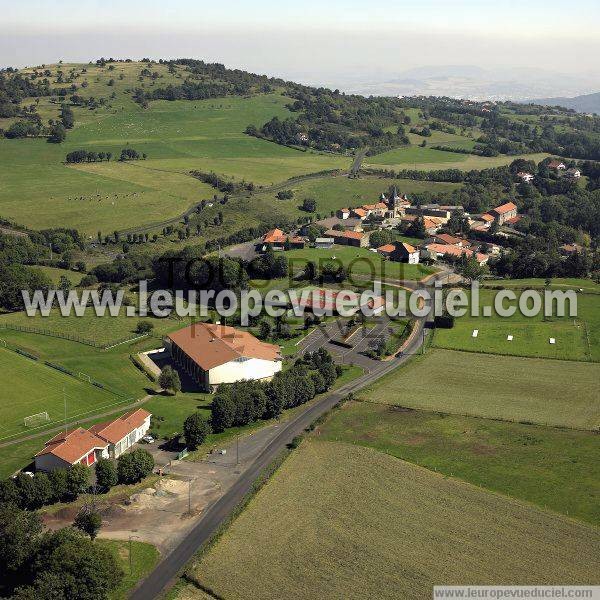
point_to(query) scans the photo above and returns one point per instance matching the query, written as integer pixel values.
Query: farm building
(435, 251)
(70, 448)
(120, 434)
(278, 240)
(349, 238)
(324, 242)
(215, 354)
(400, 252)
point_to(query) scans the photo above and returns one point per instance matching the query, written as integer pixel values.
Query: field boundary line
(133, 339)
(590, 361)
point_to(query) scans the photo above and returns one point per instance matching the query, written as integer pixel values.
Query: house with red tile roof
(400, 252)
(277, 239)
(120, 434)
(557, 165)
(68, 448)
(436, 251)
(216, 354)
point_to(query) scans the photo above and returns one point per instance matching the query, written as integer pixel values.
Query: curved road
(169, 568)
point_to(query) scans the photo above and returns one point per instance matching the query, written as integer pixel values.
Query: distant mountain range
(587, 103)
(470, 81)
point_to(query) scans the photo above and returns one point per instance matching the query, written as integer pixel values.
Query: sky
(308, 39)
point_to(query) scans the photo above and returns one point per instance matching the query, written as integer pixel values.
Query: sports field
(35, 387)
(548, 392)
(576, 338)
(342, 521)
(357, 261)
(551, 467)
(427, 159)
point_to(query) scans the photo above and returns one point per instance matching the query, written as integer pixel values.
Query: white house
(573, 173)
(526, 177)
(120, 434)
(215, 354)
(70, 448)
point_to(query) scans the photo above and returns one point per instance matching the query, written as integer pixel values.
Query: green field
(427, 159)
(342, 521)
(358, 261)
(548, 392)
(576, 338)
(35, 388)
(553, 468)
(333, 193)
(38, 190)
(562, 283)
(105, 330)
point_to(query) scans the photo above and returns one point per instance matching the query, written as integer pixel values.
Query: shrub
(106, 474)
(134, 466)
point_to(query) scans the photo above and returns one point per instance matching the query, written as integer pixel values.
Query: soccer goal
(84, 376)
(37, 419)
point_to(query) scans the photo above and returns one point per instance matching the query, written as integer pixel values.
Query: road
(168, 569)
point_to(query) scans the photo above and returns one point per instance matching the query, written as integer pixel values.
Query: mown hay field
(546, 392)
(341, 521)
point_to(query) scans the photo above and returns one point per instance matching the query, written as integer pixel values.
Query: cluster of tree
(241, 403)
(131, 154)
(269, 265)
(14, 278)
(226, 186)
(59, 564)
(23, 129)
(80, 156)
(127, 269)
(31, 493)
(381, 238)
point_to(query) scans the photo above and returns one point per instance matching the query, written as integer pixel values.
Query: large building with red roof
(216, 354)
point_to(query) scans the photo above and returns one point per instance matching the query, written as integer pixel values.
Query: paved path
(170, 567)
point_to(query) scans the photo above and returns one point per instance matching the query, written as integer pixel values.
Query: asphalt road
(168, 569)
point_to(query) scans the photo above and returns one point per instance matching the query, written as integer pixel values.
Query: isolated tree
(309, 205)
(89, 521)
(195, 430)
(106, 474)
(58, 134)
(78, 480)
(144, 327)
(169, 379)
(264, 329)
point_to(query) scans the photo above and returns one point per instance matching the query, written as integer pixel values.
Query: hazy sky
(309, 38)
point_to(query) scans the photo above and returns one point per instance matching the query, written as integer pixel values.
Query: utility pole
(65, 403)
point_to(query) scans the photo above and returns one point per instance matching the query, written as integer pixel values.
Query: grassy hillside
(345, 518)
(548, 392)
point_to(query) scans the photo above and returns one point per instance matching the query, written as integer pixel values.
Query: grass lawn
(553, 468)
(143, 559)
(547, 392)
(564, 283)
(357, 261)
(577, 338)
(427, 159)
(34, 387)
(371, 526)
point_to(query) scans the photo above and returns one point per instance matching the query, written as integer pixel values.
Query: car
(148, 439)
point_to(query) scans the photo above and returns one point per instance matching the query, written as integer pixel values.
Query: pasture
(359, 262)
(550, 467)
(38, 190)
(546, 392)
(341, 521)
(428, 159)
(576, 338)
(34, 387)
(333, 193)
